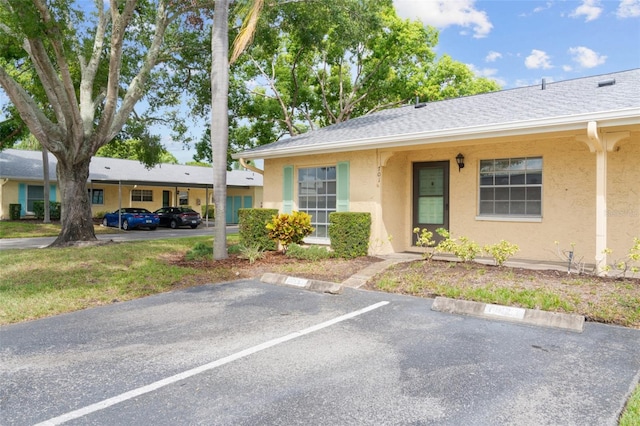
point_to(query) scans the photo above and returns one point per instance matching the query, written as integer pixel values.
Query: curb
(303, 283)
(570, 322)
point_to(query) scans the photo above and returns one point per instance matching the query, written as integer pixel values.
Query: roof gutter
(248, 166)
(630, 116)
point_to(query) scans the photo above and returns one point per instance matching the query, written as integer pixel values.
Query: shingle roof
(27, 165)
(564, 102)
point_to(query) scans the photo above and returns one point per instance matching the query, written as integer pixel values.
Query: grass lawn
(68, 279)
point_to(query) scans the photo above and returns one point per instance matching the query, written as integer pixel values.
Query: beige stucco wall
(568, 204)
(196, 196)
(9, 194)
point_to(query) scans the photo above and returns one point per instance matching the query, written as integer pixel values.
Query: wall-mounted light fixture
(460, 161)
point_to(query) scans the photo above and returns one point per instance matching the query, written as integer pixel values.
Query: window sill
(317, 241)
(509, 219)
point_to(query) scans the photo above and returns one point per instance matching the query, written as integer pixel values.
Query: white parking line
(206, 367)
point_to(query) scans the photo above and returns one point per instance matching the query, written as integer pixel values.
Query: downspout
(248, 166)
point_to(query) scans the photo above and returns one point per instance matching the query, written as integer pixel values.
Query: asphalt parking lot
(249, 353)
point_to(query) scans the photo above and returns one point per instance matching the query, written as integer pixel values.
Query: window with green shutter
(321, 191)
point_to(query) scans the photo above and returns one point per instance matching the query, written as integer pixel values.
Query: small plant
(630, 263)
(425, 239)
(569, 256)
(252, 252)
(199, 251)
(501, 251)
(462, 247)
(312, 253)
(289, 228)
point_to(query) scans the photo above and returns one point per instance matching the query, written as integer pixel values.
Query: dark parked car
(174, 217)
(132, 217)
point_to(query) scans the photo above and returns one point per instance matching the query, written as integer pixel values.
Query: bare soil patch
(334, 270)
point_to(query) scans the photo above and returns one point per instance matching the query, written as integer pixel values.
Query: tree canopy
(314, 64)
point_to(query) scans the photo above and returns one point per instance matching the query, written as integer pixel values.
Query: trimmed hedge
(14, 211)
(54, 210)
(349, 233)
(212, 212)
(252, 228)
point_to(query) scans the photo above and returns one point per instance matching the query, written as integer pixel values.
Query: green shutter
(287, 189)
(342, 177)
(22, 198)
(52, 192)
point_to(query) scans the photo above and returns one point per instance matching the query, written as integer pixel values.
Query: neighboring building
(115, 183)
(553, 162)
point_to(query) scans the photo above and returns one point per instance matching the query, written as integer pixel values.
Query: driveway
(133, 235)
(249, 353)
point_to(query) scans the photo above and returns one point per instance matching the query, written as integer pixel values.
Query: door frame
(416, 167)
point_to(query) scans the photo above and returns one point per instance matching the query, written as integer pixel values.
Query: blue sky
(519, 42)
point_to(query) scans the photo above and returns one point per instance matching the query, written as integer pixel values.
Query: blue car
(131, 218)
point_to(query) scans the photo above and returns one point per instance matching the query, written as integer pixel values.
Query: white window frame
(325, 193)
(510, 176)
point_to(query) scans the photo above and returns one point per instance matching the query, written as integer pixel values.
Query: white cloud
(586, 57)
(492, 56)
(567, 68)
(589, 8)
(444, 13)
(628, 9)
(542, 8)
(538, 59)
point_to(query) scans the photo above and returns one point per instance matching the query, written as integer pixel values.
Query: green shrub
(101, 214)
(200, 251)
(54, 210)
(211, 210)
(462, 247)
(252, 228)
(14, 211)
(501, 251)
(312, 253)
(290, 228)
(349, 233)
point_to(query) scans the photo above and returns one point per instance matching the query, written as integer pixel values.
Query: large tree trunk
(75, 216)
(220, 123)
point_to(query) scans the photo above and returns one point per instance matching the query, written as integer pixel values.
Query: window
(511, 187)
(141, 195)
(96, 196)
(34, 193)
(317, 197)
(183, 198)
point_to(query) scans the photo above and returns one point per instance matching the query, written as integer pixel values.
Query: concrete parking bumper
(569, 322)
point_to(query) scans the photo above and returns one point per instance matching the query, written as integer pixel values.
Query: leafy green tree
(136, 149)
(313, 64)
(86, 72)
